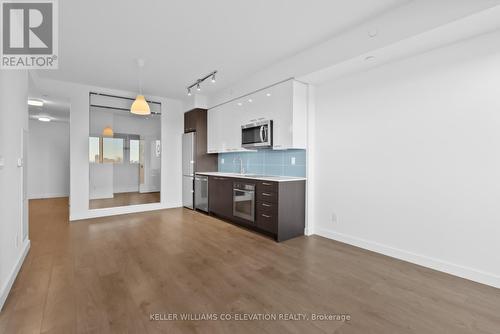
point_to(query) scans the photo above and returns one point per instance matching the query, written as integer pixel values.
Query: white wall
(13, 119)
(407, 159)
(171, 164)
(48, 168)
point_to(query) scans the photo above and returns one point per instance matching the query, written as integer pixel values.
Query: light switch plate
(293, 160)
(222, 160)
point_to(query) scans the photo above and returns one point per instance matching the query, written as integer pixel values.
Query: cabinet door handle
(267, 205)
(266, 184)
(266, 216)
(266, 194)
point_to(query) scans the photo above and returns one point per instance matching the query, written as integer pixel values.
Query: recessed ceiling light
(373, 33)
(44, 119)
(35, 103)
(250, 100)
(370, 58)
(268, 94)
(239, 104)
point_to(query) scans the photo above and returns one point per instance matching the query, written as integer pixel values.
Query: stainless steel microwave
(258, 134)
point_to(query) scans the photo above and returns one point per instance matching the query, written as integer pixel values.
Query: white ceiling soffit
(183, 40)
(404, 22)
(478, 24)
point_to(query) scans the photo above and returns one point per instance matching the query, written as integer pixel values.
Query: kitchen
(244, 161)
(253, 167)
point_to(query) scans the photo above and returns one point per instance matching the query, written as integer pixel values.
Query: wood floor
(109, 275)
(124, 199)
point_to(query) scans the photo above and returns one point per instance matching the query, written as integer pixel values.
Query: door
(190, 121)
(187, 191)
(201, 193)
(150, 165)
(244, 204)
(24, 185)
(141, 163)
(188, 142)
(220, 196)
(188, 170)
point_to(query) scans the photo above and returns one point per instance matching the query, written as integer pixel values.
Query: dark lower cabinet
(279, 206)
(266, 219)
(220, 196)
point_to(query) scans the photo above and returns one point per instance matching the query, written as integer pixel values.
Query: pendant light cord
(140, 79)
(140, 63)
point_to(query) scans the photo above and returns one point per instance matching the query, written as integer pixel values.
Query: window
(94, 150)
(112, 150)
(117, 150)
(134, 151)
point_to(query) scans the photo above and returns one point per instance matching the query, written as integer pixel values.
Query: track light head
(197, 83)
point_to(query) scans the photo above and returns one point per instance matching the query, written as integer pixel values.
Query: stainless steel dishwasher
(201, 193)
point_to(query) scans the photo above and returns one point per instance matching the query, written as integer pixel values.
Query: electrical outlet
(222, 160)
(293, 160)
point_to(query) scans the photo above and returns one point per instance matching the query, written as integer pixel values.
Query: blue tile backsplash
(265, 162)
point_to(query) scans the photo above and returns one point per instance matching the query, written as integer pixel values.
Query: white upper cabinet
(285, 104)
(214, 121)
(224, 129)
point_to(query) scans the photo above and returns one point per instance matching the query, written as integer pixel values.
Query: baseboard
(148, 189)
(121, 210)
(433, 263)
(131, 189)
(308, 231)
(4, 293)
(48, 195)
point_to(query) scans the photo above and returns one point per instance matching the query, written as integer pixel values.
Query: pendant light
(140, 106)
(107, 132)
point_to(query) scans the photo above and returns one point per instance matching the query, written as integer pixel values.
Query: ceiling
(183, 40)
(55, 109)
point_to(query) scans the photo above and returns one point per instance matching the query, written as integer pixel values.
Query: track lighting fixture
(198, 82)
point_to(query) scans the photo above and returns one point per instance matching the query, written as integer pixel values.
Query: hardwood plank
(108, 275)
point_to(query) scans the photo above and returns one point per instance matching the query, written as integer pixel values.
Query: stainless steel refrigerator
(188, 163)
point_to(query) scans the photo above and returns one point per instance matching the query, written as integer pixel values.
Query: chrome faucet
(242, 170)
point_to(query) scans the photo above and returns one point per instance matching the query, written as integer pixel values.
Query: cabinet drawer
(267, 207)
(267, 186)
(267, 221)
(267, 196)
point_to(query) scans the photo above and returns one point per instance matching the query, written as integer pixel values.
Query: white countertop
(254, 176)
